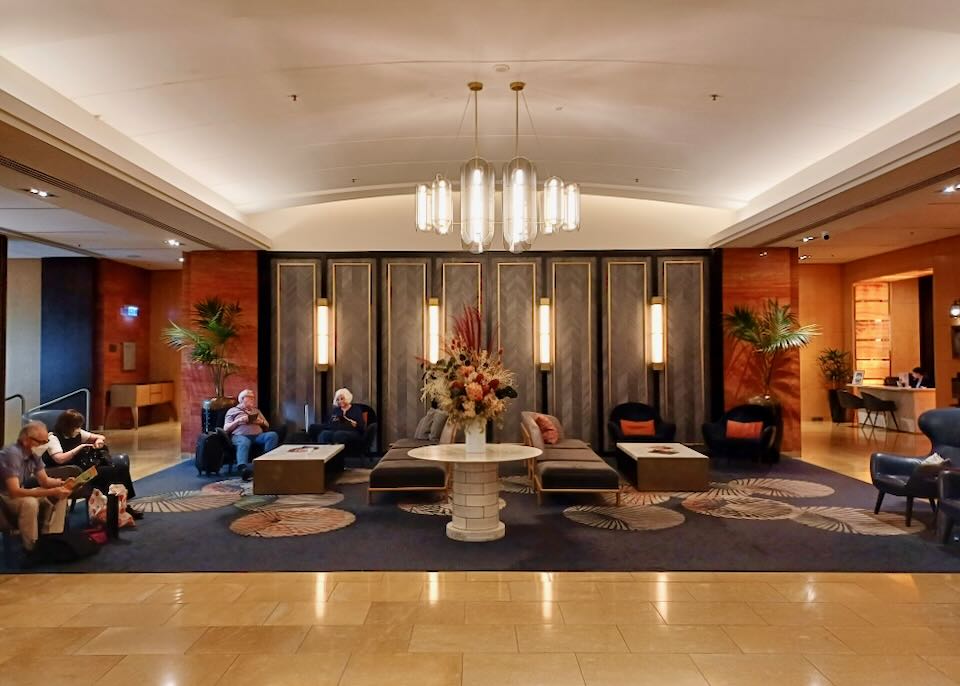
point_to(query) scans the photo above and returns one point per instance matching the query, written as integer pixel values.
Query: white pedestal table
(476, 486)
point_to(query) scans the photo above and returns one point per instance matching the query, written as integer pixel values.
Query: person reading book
(247, 428)
(43, 508)
(345, 423)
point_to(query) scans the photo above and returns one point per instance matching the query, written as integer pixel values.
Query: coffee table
(293, 469)
(665, 466)
(476, 486)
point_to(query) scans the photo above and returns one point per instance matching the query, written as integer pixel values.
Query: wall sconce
(955, 309)
(323, 335)
(433, 330)
(544, 334)
(657, 350)
(130, 310)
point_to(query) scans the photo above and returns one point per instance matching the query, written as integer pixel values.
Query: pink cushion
(547, 429)
(632, 428)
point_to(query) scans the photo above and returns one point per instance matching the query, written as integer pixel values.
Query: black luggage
(210, 453)
(66, 547)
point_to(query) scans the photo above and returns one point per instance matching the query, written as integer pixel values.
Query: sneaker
(245, 473)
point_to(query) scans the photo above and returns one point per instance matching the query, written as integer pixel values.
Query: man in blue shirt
(41, 509)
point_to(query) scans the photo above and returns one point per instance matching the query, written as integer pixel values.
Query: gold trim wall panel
(350, 368)
(684, 390)
(515, 324)
(288, 398)
(405, 302)
(449, 290)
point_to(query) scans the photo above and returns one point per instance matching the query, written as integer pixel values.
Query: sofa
(566, 465)
(397, 471)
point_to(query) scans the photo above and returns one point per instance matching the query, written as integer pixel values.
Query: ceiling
(620, 93)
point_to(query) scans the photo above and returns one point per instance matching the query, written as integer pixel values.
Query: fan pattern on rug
(743, 499)
(272, 516)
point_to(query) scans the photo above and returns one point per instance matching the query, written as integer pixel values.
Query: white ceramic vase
(476, 436)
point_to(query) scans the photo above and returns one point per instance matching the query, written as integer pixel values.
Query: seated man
(38, 510)
(246, 426)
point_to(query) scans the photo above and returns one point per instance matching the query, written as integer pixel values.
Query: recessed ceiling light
(40, 193)
(173, 242)
(807, 239)
(181, 260)
(763, 254)
(950, 189)
(804, 257)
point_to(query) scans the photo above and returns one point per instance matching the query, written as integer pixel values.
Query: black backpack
(66, 547)
(210, 453)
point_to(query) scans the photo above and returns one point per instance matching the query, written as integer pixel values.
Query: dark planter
(837, 413)
(213, 411)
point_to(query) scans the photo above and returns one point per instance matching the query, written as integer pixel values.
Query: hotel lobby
(607, 344)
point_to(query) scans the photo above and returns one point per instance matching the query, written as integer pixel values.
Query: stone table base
(476, 503)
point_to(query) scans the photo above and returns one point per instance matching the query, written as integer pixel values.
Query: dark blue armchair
(664, 431)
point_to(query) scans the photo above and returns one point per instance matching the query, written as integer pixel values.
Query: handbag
(94, 457)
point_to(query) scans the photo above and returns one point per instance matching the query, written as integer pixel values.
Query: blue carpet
(538, 538)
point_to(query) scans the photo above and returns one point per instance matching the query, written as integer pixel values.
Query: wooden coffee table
(293, 469)
(667, 466)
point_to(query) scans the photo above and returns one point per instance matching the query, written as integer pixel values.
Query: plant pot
(837, 414)
(213, 411)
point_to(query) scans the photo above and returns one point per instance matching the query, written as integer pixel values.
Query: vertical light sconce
(543, 334)
(323, 335)
(433, 330)
(657, 350)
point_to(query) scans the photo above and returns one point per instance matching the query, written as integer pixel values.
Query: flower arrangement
(470, 384)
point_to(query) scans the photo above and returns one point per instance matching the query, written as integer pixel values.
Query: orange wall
(821, 286)
(164, 308)
(233, 277)
(751, 280)
(944, 258)
(117, 285)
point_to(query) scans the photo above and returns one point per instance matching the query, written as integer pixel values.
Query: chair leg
(880, 495)
(895, 422)
(945, 529)
(933, 505)
(909, 510)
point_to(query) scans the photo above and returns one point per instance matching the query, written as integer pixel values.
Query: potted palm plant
(208, 343)
(770, 332)
(837, 370)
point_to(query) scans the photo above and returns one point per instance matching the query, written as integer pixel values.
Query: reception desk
(911, 403)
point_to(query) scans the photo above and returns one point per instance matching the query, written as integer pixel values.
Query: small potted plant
(837, 370)
(208, 342)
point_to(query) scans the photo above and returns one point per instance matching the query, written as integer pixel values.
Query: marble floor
(479, 628)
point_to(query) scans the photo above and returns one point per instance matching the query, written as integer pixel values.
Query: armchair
(664, 431)
(903, 475)
(361, 447)
(759, 449)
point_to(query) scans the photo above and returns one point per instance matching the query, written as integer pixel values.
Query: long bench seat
(397, 471)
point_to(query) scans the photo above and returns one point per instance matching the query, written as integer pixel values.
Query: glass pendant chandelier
(521, 211)
(477, 188)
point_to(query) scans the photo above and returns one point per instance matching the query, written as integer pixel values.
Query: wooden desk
(911, 403)
(140, 395)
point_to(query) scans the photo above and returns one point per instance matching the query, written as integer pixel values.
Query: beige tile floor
(479, 628)
(417, 628)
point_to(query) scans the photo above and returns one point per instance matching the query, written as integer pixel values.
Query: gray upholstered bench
(397, 471)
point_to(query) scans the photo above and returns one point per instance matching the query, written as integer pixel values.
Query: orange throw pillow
(630, 428)
(547, 429)
(744, 429)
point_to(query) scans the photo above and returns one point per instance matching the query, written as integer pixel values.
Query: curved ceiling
(619, 92)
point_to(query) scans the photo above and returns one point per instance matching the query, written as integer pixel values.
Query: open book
(86, 476)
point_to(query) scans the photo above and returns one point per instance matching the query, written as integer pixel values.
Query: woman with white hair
(345, 423)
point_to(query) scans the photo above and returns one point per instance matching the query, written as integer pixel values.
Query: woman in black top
(69, 441)
(345, 423)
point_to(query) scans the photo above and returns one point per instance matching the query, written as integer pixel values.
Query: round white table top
(457, 452)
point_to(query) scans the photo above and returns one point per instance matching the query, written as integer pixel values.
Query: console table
(137, 395)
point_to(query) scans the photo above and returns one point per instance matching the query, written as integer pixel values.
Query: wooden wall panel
(231, 275)
(573, 394)
(820, 288)
(404, 320)
(165, 305)
(461, 284)
(514, 324)
(625, 371)
(293, 335)
(353, 304)
(685, 381)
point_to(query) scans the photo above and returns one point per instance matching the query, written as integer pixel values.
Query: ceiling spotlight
(807, 239)
(173, 242)
(40, 193)
(955, 309)
(950, 189)
(763, 254)
(804, 257)
(181, 260)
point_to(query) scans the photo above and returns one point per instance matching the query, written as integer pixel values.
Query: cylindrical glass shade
(519, 204)
(552, 205)
(442, 205)
(571, 207)
(477, 184)
(424, 207)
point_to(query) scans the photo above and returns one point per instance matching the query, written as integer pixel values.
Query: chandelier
(522, 215)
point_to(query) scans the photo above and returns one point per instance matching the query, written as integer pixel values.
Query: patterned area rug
(292, 521)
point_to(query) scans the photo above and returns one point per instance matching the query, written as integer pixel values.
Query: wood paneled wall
(599, 356)
(232, 276)
(821, 286)
(751, 280)
(165, 297)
